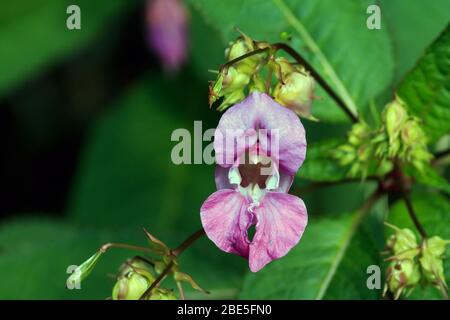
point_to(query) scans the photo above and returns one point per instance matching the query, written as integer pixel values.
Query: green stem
(175, 253)
(108, 246)
(315, 49)
(318, 78)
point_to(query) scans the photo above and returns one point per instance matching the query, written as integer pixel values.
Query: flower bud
(401, 275)
(394, 116)
(238, 48)
(229, 84)
(431, 261)
(167, 31)
(296, 93)
(162, 294)
(402, 244)
(412, 133)
(135, 277)
(360, 131)
(130, 286)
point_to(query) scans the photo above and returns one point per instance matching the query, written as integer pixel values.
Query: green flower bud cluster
(374, 150)
(359, 153)
(402, 137)
(233, 80)
(411, 263)
(135, 277)
(293, 88)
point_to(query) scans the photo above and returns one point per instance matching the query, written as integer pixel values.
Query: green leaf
(426, 89)
(329, 262)
(319, 164)
(331, 35)
(431, 178)
(34, 34)
(35, 253)
(433, 211)
(404, 16)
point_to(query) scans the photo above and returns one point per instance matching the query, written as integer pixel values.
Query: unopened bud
(135, 277)
(401, 275)
(296, 93)
(394, 116)
(431, 261)
(162, 294)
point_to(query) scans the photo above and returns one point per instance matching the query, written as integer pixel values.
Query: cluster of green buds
(140, 277)
(411, 263)
(252, 66)
(358, 153)
(373, 151)
(402, 137)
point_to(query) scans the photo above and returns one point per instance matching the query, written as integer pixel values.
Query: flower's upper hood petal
(280, 221)
(239, 126)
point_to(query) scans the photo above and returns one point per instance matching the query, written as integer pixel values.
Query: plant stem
(175, 253)
(318, 78)
(108, 246)
(188, 242)
(244, 56)
(405, 190)
(412, 214)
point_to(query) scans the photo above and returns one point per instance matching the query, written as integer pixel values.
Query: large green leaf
(426, 89)
(329, 262)
(433, 211)
(36, 252)
(426, 18)
(332, 35)
(34, 34)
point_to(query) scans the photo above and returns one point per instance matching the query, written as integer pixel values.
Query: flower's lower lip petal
(281, 220)
(225, 220)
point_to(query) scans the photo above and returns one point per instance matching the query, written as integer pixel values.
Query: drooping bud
(432, 263)
(359, 133)
(403, 243)
(135, 277)
(394, 117)
(229, 84)
(167, 31)
(238, 48)
(401, 275)
(295, 89)
(130, 286)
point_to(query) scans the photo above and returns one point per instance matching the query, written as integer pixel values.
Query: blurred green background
(86, 117)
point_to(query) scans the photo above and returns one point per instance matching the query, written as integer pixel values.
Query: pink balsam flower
(259, 147)
(167, 31)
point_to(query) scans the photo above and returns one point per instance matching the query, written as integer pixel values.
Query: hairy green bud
(401, 275)
(394, 117)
